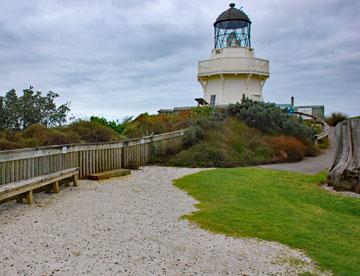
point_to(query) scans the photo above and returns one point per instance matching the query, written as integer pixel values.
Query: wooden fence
(22, 164)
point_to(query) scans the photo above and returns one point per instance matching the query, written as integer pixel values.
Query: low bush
(145, 124)
(270, 119)
(114, 125)
(11, 139)
(335, 118)
(43, 136)
(324, 143)
(38, 135)
(91, 132)
(288, 148)
(6, 144)
(213, 141)
(229, 144)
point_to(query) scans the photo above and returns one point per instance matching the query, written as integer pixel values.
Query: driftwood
(344, 174)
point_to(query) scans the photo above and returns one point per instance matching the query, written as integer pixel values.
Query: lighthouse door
(212, 100)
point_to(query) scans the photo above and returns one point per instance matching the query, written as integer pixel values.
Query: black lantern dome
(232, 29)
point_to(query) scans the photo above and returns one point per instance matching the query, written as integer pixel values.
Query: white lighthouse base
(231, 73)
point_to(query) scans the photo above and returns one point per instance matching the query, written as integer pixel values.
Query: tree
(31, 108)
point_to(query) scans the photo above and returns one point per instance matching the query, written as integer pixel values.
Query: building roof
(232, 14)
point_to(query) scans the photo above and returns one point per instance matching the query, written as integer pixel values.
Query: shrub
(44, 136)
(230, 143)
(335, 118)
(146, 124)
(269, 119)
(324, 143)
(91, 132)
(38, 135)
(6, 144)
(193, 136)
(223, 138)
(201, 155)
(290, 148)
(115, 125)
(11, 139)
(203, 111)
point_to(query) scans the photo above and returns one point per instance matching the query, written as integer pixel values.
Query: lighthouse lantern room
(232, 70)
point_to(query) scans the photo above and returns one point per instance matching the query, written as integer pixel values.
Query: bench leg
(75, 180)
(29, 197)
(56, 187)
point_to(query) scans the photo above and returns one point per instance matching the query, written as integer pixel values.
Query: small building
(232, 70)
(314, 110)
(317, 111)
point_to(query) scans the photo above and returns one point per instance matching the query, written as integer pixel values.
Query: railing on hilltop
(26, 163)
(325, 129)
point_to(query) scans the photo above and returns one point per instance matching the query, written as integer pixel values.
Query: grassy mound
(289, 208)
(231, 143)
(246, 133)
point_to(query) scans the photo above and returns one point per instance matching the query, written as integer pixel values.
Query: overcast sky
(117, 58)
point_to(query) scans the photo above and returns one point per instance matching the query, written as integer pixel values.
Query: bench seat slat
(19, 187)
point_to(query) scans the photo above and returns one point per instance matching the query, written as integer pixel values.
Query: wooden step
(109, 174)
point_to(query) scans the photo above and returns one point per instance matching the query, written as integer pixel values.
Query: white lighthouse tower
(232, 70)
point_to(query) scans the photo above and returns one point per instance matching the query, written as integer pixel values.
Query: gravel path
(129, 226)
(309, 165)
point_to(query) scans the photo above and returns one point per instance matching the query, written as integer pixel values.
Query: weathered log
(344, 174)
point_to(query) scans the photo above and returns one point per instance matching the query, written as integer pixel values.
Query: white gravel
(343, 193)
(129, 226)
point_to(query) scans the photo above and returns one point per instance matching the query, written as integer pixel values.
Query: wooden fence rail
(23, 164)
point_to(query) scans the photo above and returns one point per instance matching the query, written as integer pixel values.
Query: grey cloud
(114, 58)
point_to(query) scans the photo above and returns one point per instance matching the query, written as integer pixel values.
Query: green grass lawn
(289, 208)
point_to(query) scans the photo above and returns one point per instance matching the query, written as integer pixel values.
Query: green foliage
(202, 111)
(311, 124)
(324, 143)
(335, 118)
(92, 132)
(115, 125)
(223, 138)
(145, 124)
(31, 108)
(270, 119)
(38, 135)
(43, 136)
(286, 207)
(211, 143)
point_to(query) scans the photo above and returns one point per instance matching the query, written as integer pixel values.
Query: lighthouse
(232, 71)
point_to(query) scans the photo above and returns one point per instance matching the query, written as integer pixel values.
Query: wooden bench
(24, 188)
(109, 174)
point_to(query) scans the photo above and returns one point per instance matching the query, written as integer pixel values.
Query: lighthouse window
(212, 100)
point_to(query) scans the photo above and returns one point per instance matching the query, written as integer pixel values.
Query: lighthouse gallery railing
(233, 65)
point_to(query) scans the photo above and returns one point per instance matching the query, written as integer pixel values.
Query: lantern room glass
(232, 33)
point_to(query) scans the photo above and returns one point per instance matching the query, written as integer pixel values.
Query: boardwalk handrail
(26, 163)
(325, 127)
